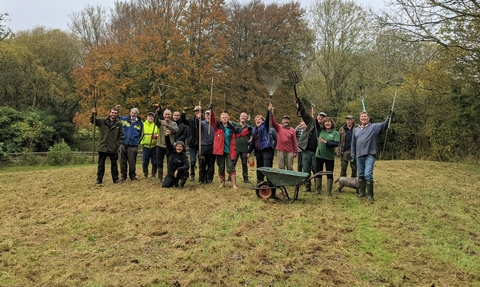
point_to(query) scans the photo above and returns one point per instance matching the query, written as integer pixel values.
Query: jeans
(149, 154)
(192, 152)
(365, 165)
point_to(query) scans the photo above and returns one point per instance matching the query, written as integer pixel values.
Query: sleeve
(172, 126)
(353, 147)
(275, 125)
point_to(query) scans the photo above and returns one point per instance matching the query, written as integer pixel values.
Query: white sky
(27, 14)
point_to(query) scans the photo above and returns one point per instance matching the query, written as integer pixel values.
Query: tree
(342, 36)
(5, 32)
(264, 40)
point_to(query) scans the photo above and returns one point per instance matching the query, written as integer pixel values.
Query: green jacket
(111, 137)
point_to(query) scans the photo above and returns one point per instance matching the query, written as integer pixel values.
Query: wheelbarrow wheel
(265, 190)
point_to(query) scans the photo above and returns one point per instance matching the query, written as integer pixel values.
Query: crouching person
(177, 165)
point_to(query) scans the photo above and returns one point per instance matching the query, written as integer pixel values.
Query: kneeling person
(177, 166)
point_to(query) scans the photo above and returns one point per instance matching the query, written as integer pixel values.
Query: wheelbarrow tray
(283, 177)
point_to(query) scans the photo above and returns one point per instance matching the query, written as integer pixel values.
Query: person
(206, 164)
(110, 138)
(192, 137)
(308, 143)
(298, 133)
(133, 133)
(182, 133)
(149, 145)
(320, 118)
(287, 141)
(177, 165)
(242, 146)
(224, 146)
(328, 140)
(166, 128)
(364, 150)
(343, 149)
(263, 142)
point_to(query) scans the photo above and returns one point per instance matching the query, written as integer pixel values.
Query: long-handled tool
(211, 100)
(199, 135)
(94, 122)
(271, 83)
(390, 118)
(294, 79)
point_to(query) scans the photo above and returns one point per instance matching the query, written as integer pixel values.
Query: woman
(328, 140)
(177, 165)
(224, 146)
(264, 140)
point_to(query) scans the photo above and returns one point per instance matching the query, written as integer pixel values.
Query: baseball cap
(322, 114)
(197, 108)
(207, 111)
(286, 117)
(350, 117)
(150, 114)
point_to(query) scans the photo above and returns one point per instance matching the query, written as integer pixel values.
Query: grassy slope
(58, 229)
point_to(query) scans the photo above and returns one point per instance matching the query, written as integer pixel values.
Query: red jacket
(219, 137)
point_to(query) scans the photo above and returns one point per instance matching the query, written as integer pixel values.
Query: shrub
(59, 154)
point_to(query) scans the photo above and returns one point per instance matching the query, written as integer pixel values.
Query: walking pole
(390, 118)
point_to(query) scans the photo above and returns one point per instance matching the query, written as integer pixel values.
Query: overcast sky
(27, 14)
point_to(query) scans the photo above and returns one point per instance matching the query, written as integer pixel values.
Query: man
(298, 133)
(308, 144)
(111, 136)
(343, 149)
(320, 118)
(166, 127)
(182, 134)
(207, 158)
(364, 149)
(133, 133)
(192, 137)
(149, 145)
(242, 147)
(287, 141)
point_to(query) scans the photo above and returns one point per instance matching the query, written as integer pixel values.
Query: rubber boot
(182, 181)
(370, 190)
(192, 172)
(318, 185)
(361, 186)
(160, 175)
(329, 186)
(145, 171)
(154, 171)
(233, 179)
(308, 187)
(222, 180)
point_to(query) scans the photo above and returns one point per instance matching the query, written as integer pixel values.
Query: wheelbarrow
(280, 178)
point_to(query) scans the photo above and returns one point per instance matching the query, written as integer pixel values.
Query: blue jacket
(133, 132)
(263, 137)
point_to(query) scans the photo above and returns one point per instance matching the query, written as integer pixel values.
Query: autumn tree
(264, 40)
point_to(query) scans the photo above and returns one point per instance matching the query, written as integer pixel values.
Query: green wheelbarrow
(280, 178)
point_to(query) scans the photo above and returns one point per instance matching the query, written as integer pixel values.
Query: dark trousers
(329, 165)
(102, 156)
(128, 159)
(299, 161)
(264, 158)
(244, 160)
(162, 152)
(171, 181)
(345, 161)
(206, 164)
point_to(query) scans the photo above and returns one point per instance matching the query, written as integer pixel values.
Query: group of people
(164, 135)
(319, 142)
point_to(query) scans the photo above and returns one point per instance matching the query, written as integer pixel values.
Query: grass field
(59, 229)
